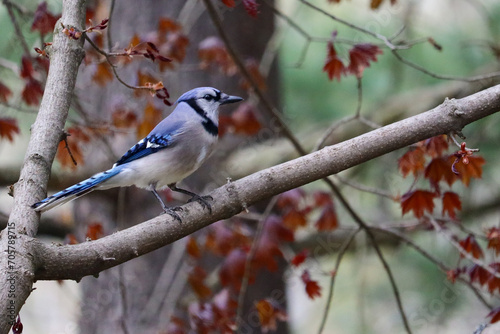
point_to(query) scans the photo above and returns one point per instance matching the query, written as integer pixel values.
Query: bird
(173, 150)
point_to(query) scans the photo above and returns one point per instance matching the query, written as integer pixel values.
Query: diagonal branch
(90, 258)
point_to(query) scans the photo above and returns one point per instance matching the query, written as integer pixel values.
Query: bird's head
(206, 101)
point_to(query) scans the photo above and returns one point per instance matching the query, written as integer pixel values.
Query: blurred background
(286, 43)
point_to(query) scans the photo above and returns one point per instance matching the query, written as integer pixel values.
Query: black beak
(226, 99)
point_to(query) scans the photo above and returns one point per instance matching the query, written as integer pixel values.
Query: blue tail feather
(74, 191)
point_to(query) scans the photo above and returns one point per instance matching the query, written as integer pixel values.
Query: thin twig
(123, 296)
(359, 87)
(65, 138)
(373, 241)
(17, 28)
(345, 120)
(18, 108)
(444, 77)
(331, 129)
(431, 258)
(108, 32)
(113, 67)
(364, 188)
(369, 123)
(383, 38)
(329, 299)
(462, 251)
(249, 259)
(396, 48)
(107, 56)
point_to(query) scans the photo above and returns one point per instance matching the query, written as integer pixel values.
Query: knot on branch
(453, 108)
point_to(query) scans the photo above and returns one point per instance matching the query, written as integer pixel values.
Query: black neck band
(208, 124)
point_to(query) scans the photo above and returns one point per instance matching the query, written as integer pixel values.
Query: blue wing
(150, 144)
(76, 190)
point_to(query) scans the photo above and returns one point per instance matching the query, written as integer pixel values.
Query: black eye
(208, 97)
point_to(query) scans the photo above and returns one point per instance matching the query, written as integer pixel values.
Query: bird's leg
(170, 211)
(203, 200)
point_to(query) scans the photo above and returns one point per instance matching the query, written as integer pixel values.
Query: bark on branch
(18, 263)
(90, 258)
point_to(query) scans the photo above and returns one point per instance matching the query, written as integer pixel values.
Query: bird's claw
(172, 212)
(203, 201)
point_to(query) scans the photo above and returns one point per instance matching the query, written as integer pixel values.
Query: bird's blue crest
(197, 93)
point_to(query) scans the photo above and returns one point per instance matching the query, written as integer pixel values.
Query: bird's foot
(172, 212)
(203, 200)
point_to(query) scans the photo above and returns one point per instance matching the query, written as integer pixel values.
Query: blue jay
(174, 149)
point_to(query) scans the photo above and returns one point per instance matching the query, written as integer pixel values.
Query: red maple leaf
(269, 313)
(152, 116)
(418, 201)
(360, 56)
(251, 6)
(290, 198)
(294, 219)
(328, 219)
(313, 289)
(470, 168)
(102, 74)
(253, 68)
(176, 326)
(375, 4)
(94, 231)
(435, 146)
(299, 258)
(221, 239)
(32, 92)
(26, 67)
(334, 67)
(233, 268)
(478, 274)
(440, 169)
(322, 198)
(192, 248)
(8, 127)
(471, 246)
(196, 279)
(451, 203)
(242, 121)
(123, 118)
(71, 239)
(275, 228)
(212, 52)
(268, 253)
(229, 3)
(5, 93)
(494, 282)
(412, 162)
(43, 20)
(495, 315)
(493, 235)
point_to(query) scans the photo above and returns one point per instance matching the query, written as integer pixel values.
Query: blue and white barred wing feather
(150, 144)
(75, 191)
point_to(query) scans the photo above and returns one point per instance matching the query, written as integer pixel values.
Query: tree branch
(90, 258)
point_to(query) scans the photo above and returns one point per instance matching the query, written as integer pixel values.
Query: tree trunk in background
(139, 296)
